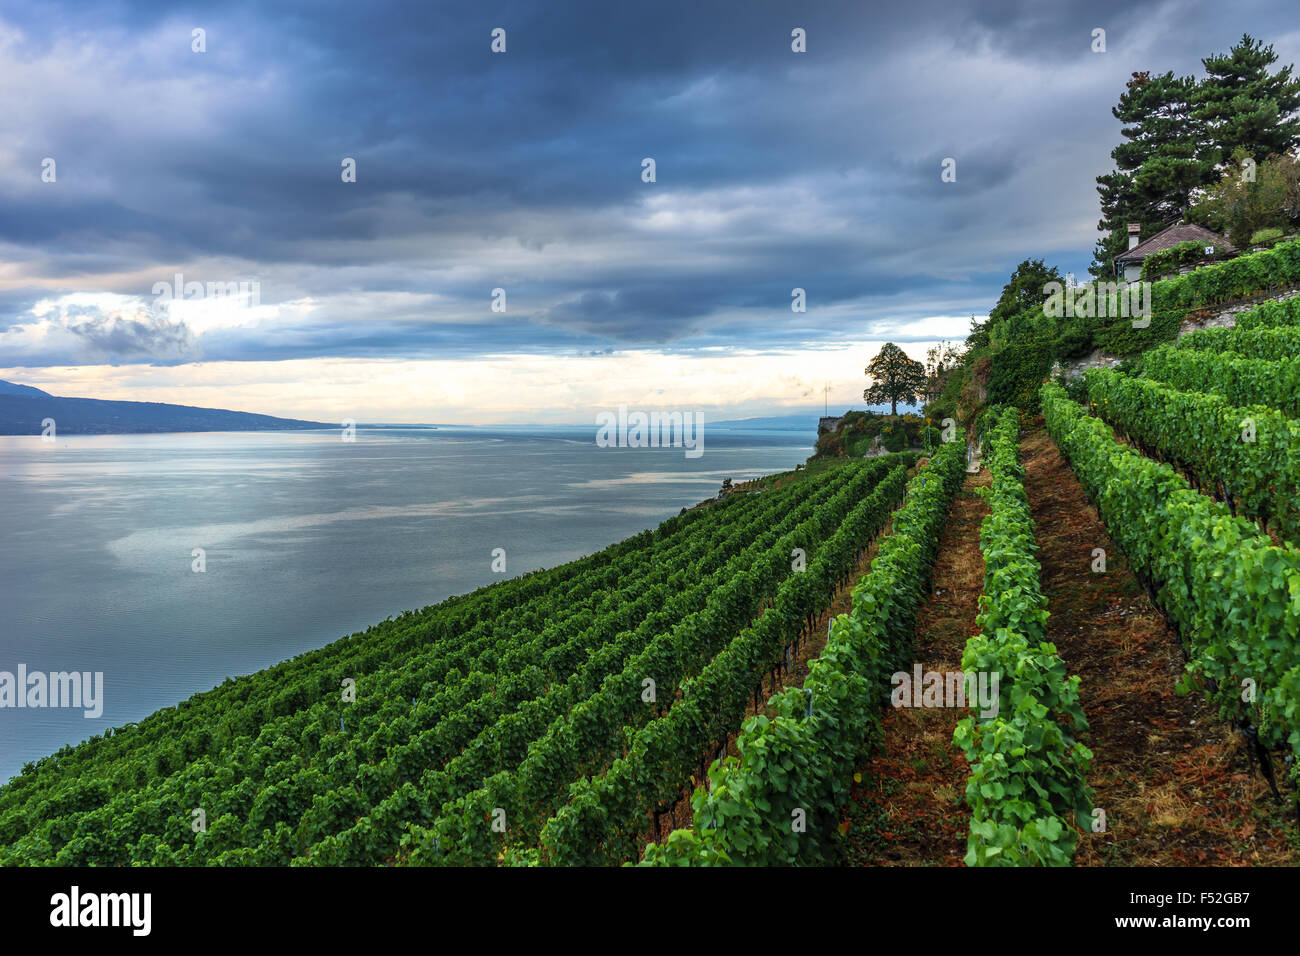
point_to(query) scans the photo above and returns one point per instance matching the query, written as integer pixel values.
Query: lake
(305, 538)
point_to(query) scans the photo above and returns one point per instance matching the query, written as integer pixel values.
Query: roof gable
(1172, 236)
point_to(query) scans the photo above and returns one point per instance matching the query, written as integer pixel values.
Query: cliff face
(1226, 316)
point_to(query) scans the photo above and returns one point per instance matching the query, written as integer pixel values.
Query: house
(1128, 264)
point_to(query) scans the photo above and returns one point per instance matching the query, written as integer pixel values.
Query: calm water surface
(307, 538)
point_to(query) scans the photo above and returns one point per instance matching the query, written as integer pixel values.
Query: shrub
(1018, 372)
(1262, 236)
(1169, 261)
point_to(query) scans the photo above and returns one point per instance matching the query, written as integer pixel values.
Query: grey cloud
(523, 170)
(120, 340)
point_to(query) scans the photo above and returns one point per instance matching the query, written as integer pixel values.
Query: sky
(129, 158)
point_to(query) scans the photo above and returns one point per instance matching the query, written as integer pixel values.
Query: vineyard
(572, 716)
(1190, 454)
(1195, 466)
(1191, 457)
(548, 715)
(1027, 785)
(1234, 592)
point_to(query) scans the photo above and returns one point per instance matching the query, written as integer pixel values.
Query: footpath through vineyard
(908, 806)
(1174, 782)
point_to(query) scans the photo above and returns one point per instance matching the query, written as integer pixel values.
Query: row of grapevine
(779, 802)
(1272, 314)
(1267, 344)
(605, 818)
(1233, 594)
(1248, 275)
(1231, 375)
(284, 763)
(1251, 453)
(588, 737)
(1027, 785)
(503, 745)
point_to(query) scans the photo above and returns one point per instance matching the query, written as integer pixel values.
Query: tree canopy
(1157, 167)
(1239, 208)
(1180, 134)
(1024, 290)
(894, 378)
(1240, 104)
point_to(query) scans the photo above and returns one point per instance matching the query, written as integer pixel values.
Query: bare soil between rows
(908, 800)
(1176, 784)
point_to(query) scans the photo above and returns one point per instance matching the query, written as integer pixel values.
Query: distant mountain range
(23, 409)
(796, 422)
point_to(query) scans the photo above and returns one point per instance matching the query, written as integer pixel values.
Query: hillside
(1027, 340)
(519, 697)
(23, 409)
(1119, 585)
(10, 388)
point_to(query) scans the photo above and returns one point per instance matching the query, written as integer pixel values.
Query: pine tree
(1158, 167)
(1242, 105)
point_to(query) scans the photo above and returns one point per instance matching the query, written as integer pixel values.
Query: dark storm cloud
(126, 339)
(522, 171)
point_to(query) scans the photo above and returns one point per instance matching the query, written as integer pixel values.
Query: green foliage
(1022, 349)
(1251, 453)
(895, 377)
(1024, 290)
(794, 766)
(605, 815)
(1268, 343)
(1271, 315)
(857, 431)
(1241, 105)
(1117, 336)
(595, 719)
(1238, 379)
(1263, 237)
(1168, 261)
(1233, 593)
(941, 362)
(1027, 786)
(1244, 276)
(1019, 370)
(1241, 206)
